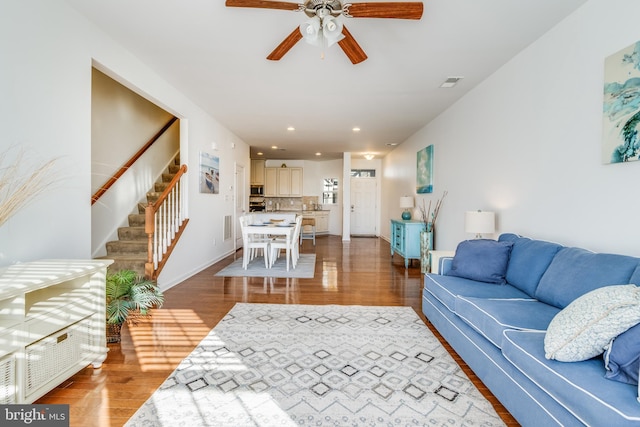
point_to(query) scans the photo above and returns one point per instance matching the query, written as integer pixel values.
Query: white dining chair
(251, 245)
(289, 244)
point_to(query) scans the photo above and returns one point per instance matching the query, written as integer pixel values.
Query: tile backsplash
(291, 203)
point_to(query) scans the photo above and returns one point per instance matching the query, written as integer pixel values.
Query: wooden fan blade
(286, 45)
(402, 10)
(351, 47)
(263, 4)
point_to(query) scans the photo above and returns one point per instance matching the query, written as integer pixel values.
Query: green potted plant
(129, 297)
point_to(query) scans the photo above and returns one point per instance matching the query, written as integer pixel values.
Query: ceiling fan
(324, 28)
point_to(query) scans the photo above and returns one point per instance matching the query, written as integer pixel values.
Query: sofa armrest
(441, 261)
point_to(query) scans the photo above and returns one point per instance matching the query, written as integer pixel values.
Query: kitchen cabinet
(322, 220)
(405, 239)
(52, 324)
(257, 172)
(283, 182)
(271, 182)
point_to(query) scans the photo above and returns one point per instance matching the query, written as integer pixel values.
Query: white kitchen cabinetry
(52, 324)
(283, 182)
(257, 172)
(322, 220)
(295, 186)
(271, 182)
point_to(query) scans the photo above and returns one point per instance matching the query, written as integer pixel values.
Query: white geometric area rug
(307, 365)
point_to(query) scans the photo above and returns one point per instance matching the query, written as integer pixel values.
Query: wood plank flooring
(359, 272)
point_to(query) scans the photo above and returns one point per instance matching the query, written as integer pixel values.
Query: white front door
(240, 205)
(363, 206)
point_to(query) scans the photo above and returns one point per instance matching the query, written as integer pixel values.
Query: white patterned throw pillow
(583, 328)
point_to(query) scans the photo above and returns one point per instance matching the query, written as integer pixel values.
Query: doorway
(240, 201)
(364, 206)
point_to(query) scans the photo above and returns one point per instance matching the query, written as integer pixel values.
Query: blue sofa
(499, 330)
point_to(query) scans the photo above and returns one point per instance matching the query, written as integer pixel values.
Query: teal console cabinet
(405, 239)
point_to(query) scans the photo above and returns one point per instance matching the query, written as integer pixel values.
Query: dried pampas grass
(17, 189)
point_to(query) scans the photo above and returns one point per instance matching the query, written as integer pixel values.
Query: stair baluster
(164, 222)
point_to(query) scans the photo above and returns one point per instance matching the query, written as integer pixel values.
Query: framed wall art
(209, 173)
(621, 109)
(424, 171)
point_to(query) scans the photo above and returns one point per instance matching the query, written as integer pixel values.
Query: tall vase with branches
(429, 218)
(18, 189)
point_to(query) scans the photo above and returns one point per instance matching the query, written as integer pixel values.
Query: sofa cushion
(580, 387)
(528, 261)
(491, 317)
(635, 276)
(483, 260)
(586, 326)
(574, 272)
(447, 288)
(622, 357)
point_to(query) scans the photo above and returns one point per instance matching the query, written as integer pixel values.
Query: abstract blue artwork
(621, 112)
(424, 172)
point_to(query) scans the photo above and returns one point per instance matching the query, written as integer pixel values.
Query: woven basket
(113, 332)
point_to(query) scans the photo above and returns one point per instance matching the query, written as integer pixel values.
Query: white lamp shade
(332, 30)
(406, 202)
(310, 31)
(479, 222)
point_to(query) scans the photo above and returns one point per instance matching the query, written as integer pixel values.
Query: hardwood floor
(360, 272)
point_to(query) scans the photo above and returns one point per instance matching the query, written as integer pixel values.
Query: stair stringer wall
(112, 210)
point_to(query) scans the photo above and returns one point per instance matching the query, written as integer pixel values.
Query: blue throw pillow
(622, 357)
(483, 260)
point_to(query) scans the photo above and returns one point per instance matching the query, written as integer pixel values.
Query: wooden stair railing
(103, 189)
(165, 220)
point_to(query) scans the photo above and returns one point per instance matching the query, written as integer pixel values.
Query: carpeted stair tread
(136, 220)
(159, 187)
(132, 233)
(129, 252)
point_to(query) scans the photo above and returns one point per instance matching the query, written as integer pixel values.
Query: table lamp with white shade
(479, 223)
(406, 203)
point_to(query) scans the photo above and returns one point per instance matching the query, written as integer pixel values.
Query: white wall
(47, 51)
(121, 122)
(526, 143)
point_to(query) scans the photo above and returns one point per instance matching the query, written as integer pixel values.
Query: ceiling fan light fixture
(332, 30)
(311, 32)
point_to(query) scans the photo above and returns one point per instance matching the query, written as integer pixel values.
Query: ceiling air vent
(451, 82)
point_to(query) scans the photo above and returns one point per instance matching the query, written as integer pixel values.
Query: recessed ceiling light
(274, 147)
(291, 128)
(318, 154)
(391, 144)
(356, 129)
(260, 153)
(451, 82)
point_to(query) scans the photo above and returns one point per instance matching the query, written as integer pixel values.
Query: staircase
(130, 251)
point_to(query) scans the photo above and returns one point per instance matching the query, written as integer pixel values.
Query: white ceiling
(217, 57)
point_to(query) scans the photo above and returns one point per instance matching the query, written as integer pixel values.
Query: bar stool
(308, 230)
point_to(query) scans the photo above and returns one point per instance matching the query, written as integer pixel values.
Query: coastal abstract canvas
(621, 112)
(209, 173)
(424, 178)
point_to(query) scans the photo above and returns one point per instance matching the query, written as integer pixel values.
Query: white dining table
(274, 229)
